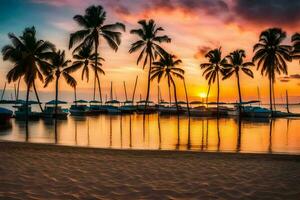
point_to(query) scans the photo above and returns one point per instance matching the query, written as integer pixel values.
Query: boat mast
(75, 96)
(3, 91)
(136, 79)
(111, 92)
(287, 101)
(125, 90)
(116, 94)
(258, 96)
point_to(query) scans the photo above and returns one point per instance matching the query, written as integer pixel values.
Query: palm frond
(77, 37)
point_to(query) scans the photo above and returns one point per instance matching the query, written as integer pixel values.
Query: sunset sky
(195, 26)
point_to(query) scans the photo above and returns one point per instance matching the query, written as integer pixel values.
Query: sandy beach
(36, 171)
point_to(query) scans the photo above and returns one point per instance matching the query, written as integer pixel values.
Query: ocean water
(163, 133)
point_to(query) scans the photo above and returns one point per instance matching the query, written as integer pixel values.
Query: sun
(202, 94)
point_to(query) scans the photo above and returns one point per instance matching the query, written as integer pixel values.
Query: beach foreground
(36, 171)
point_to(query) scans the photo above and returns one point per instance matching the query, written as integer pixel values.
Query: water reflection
(159, 132)
(162, 132)
(239, 136)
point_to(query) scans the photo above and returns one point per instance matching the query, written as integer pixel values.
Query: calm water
(163, 132)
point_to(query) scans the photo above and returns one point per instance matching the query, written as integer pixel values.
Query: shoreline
(46, 171)
(150, 150)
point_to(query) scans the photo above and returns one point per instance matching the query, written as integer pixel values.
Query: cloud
(131, 7)
(60, 3)
(201, 51)
(66, 25)
(276, 12)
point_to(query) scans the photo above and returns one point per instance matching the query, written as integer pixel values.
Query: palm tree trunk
(239, 89)
(26, 112)
(94, 92)
(18, 89)
(218, 95)
(270, 93)
(148, 86)
(170, 100)
(96, 65)
(99, 87)
(186, 97)
(207, 94)
(273, 94)
(175, 96)
(37, 96)
(56, 95)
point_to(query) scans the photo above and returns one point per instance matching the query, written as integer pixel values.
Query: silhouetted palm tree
(85, 59)
(59, 66)
(296, 46)
(271, 56)
(213, 68)
(235, 64)
(148, 43)
(93, 26)
(27, 54)
(167, 67)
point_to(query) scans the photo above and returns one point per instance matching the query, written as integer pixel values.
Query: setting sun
(202, 95)
(150, 99)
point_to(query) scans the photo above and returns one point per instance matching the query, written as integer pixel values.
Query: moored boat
(5, 114)
(128, 107)
(112, 107)
(79, 108)
(20, 112)
(49, 111)
(172, 110)
(96, 107)
(151, 108)
(200, 111)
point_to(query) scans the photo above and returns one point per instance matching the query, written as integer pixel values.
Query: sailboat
(112, 106)
(128, 106)
(197, 109)
(96, 107)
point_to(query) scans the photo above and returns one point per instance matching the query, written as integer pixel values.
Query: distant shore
(37, 171)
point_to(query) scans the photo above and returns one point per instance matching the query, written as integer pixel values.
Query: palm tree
(93, 27)
(85, 59)
(271, 56)
(296, 46)
(148, 43)
(235, 64)
(59, 66)
(27, 54)
(167, 67)
(213, 69)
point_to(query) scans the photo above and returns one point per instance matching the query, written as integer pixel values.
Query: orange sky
(194, 27)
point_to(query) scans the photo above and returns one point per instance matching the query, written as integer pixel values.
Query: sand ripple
(32, 171)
